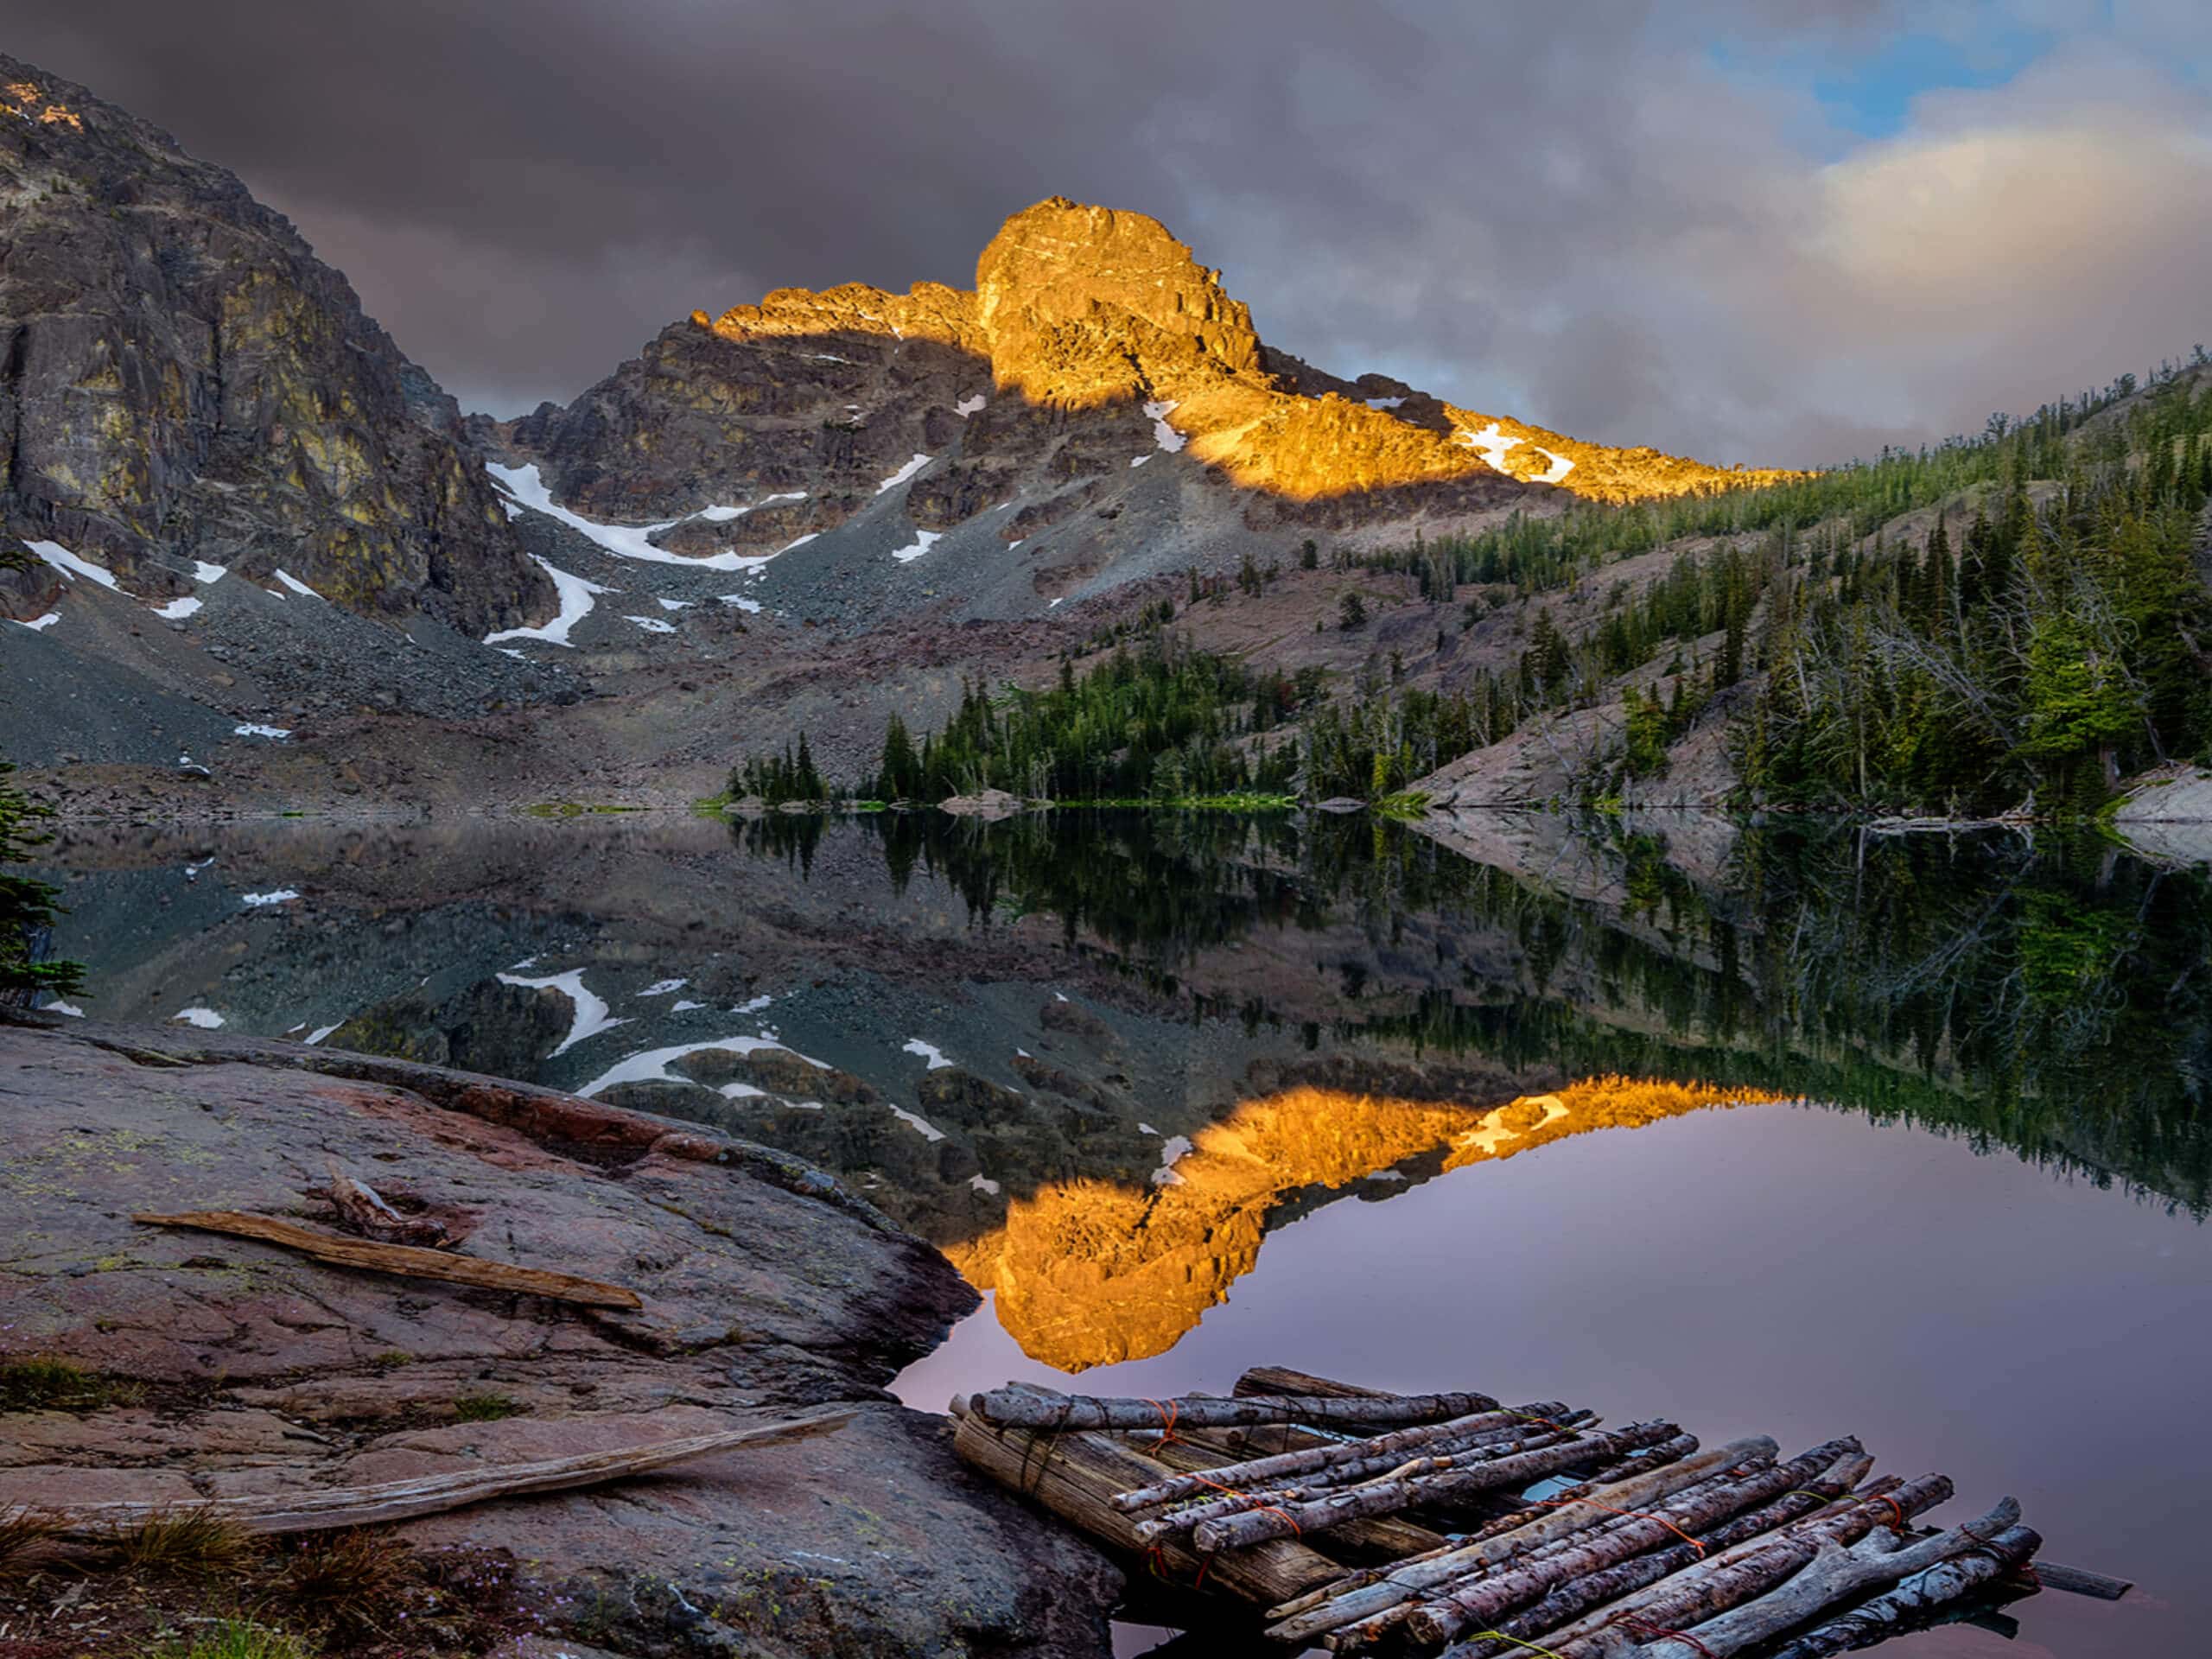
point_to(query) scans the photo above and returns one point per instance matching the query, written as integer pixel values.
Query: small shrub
(197, 1541)
(486, 1408)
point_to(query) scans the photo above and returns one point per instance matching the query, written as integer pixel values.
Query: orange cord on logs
(1640, 1514)
(1657, 1634)
(1168, 1412)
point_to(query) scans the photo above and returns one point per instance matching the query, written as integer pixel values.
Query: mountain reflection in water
(1000, 1033)
(1089, 1273)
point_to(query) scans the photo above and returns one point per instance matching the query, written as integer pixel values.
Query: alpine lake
(1798, 1130)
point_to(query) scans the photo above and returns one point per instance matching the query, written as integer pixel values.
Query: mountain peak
(1084, 305)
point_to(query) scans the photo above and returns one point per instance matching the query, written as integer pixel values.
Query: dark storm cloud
(1564, 212)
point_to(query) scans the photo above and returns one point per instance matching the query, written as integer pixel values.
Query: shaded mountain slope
(183, 382)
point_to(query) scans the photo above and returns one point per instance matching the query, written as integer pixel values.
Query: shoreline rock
(766, 1289)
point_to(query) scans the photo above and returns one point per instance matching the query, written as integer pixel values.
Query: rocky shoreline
(226, 1367)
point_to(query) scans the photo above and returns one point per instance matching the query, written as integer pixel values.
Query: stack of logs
(1354, 1519)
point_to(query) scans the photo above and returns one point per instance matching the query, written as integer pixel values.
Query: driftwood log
(1835, 1574)
(1058, 1414)
(403, 1500)
(1072, 1474)
(1327, 1483)
(411, 1260)
(1454, 1485)
(1750, 1569)
(1569, 1600)
(1261, 1470)
(1303, 1622)
(1454, 1608)
(1944, 1586)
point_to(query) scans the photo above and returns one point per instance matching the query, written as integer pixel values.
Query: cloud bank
(1632, 223)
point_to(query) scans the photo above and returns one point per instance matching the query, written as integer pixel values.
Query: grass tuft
(48, 1384)
(234, 1638)
(489, 1406)
(347, 1581)
(181, 1541)
(23, 1534)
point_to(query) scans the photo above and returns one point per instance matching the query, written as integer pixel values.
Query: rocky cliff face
(182, 380)
(1092, 343)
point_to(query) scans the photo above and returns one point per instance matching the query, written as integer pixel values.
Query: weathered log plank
(1568, 1601)
(1451, 1609)
(403, 1500)
(1749, 1570)
(1260, 1471)
(1835, 1574)
(407, 1260)
(1387, 1496)
(1942, 1585)
(1080, 1413)
(1327, 1483)
(1074, 1475)
(1301, 1622)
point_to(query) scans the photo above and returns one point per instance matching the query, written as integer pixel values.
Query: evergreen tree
(27, 907)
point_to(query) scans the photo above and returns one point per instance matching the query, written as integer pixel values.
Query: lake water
(1817, 1132)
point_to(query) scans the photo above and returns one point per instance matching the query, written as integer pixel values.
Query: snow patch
(1561, 466)
(663, 987)
(251, 729)
(70, 1009)
(984, 1184)
(321, 1032)
(1139, 461)
(591, 1014)
(177, 609)
(810, 536)
(203, 571)
(70, 565)
(685, 1006)
(1490, 1132)
(923, 540)
(755, 1006)
(740, 601)
(903, 473)
(575, 605)
(919, 1124)
(1171, 1150)
(40, 624)
(1162, 434)
(262, 900)
(1146, 1129)
(652, 624)
(677, 604)
(295, 584)
(969, 406)
(206, 1019)
(1384, 403)
(929, 1051)
(652, 1065)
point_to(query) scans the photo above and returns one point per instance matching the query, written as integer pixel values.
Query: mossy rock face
(187, 380)
(958, 1096)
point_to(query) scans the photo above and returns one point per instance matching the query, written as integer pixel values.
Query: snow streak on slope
(629, 541)
(575, 605)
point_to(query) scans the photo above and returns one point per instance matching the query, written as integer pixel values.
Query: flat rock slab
(765, 1290)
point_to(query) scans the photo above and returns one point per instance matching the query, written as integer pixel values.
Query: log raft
(1320, 1512)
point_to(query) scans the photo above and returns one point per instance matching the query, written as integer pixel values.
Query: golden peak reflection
(1090, 1272)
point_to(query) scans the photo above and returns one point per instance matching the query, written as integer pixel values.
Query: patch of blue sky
(1864, 88)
